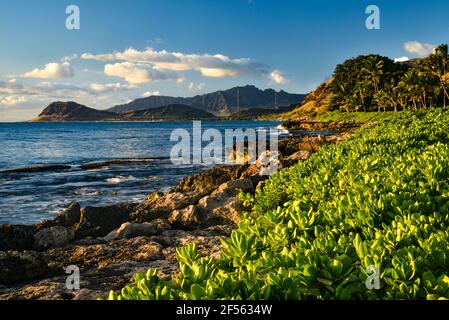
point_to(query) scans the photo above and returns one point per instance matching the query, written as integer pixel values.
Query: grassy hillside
(316, 103)
(379, 199)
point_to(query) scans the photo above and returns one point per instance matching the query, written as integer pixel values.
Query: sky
(125, 50)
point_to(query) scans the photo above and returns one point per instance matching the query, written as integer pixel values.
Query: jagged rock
(186, 219)
(220, 211)
(16, 237)
(18, 266)
(228, 212)
(110, 265)
(231, 188)
(205, 181)
(99, 221)
(53, 237)
(300, 155)
(67, 218)
(70, 217)
(162, 206)
(131, 230)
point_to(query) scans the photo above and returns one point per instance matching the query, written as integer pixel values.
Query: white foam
(119, 179)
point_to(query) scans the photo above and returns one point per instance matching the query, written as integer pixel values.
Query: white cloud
(401, 59)
(61, 90)
(98, 57)
(180, 80)
(278, 77)
(151, 93)
(69, 58)
(12, 100)
(136, 73)
(219, 72)
(196, 87)
(52, 70)
(418, 48)
(110, 87)
(217, 66)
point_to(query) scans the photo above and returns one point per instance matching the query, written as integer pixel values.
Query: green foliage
(378, 199)
(368, 83)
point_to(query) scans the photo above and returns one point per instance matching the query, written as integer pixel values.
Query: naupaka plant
(380, 198)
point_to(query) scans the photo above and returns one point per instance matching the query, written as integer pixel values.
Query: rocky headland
(109, 244)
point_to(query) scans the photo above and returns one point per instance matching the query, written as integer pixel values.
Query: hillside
(258, 112)
(219, 102)
(316, 103)
(72, 111)
(169, 112)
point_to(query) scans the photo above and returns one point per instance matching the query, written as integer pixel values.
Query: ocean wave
(120, 179)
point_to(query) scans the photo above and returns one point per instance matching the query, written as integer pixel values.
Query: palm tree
(373, 71)
(438, 66)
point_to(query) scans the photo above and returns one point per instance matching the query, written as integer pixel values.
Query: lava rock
(16, 237)
(53, 237)
(99, 221)
(19, 266)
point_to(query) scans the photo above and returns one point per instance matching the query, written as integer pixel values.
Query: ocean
(29, 197)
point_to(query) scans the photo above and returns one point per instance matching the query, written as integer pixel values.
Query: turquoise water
(30, 197)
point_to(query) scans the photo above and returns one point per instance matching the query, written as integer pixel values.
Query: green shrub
(381, 199)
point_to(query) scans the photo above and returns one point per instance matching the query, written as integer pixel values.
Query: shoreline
(109, 244)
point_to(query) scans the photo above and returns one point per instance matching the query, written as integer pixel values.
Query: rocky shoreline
(110, 244)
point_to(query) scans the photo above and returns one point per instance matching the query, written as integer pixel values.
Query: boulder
(53, 237)
(160, 207)
(205, 181)
(185, 219)
(99, 221)
(67, 218)
(232, 188)
(220, 211)
(300, 155)
(130, 230)
(19, 266)
(70, 217)
(227, 213)
(16, 237)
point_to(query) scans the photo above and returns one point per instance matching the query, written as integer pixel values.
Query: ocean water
(27, 198)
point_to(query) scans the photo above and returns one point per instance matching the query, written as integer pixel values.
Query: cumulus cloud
(110, 87)
(11, 87)
(278, 77)
(217, 66)
(401, 59)
(69, 58)
(137, 73)
(52, 70)
(196, 87)
(98, 57)
(418, 48)
(12, 100)
(61, 90)
(151, 93)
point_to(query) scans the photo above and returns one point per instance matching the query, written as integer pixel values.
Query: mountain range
(220, 103)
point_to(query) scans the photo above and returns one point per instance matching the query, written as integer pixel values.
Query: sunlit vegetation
(375, 83)
(380, 198)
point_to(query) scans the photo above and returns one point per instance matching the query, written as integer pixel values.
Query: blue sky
(188, 47)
